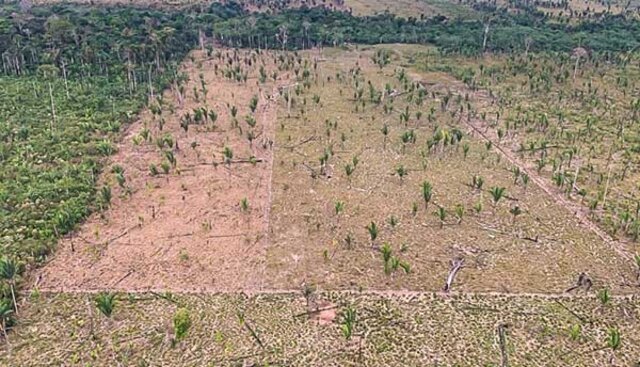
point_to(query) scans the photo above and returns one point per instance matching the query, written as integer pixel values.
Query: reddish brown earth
(186, 230)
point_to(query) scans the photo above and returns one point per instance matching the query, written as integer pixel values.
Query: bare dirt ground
(481, 130)
(184, 230)
(605, 167)
(411, 8)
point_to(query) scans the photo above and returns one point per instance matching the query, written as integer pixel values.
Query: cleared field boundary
(377, 293)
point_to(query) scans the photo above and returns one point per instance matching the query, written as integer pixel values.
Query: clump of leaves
(120, 177)
(441, 213)
(392, 263)
(515, 211)
(105, 147)
(106, 303)
(181, 323)
(244, 204)
(348, 169)
(228, 155)
(613, 339)
(604, 296)
(427, 193)
(105, 197)
(477, 182)
(459, 210)
(9, 271)
(6, 316)
(373, 231)
(385, 132)
(213, 116)
(253, 104)
(386, 257)
(497, 193)
(574, 332)
(348, 323)
(407, 137)
(401, 171)
(250, 120)
(166, 167)
(171, 158)
(393, 221)
(339, 207)
(183, 255)
(477, 207)
(348, 241)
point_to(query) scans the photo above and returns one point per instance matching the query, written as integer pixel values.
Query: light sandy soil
(411, 8)
(601, 160)
(185, 230)
(508, 147)
(412, 330)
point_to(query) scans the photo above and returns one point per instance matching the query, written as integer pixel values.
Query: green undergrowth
(50, 164)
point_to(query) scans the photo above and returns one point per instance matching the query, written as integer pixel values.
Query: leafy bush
(181, 323)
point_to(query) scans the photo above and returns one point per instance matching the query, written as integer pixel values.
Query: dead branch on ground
(456, 265)
(502, 339)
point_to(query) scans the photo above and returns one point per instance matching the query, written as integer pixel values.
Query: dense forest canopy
(507, 32)
(107, 36)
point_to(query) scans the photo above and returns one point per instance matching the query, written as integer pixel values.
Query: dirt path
(268, 117)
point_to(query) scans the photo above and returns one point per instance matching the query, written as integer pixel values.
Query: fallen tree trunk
(502, 339)
(456, 265)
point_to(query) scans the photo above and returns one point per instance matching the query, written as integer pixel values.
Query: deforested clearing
(313, 183)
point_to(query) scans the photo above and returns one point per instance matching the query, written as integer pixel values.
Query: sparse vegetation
(181, 323)
(529, 106)
(147, 316)
(106, 303)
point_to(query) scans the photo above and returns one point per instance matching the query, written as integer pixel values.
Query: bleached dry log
(456, 265)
